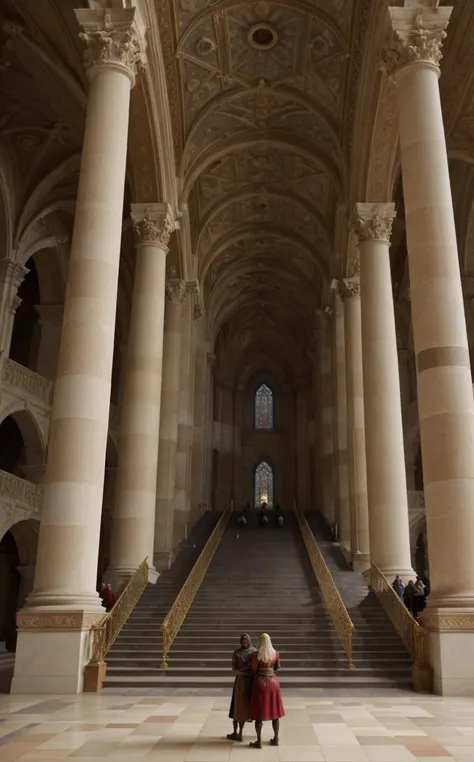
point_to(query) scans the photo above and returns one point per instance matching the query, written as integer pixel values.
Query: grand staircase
(260, 580)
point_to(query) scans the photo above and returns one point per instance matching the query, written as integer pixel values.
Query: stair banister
(341, 620)
(413, 635)
(177, 613)
(106, 631)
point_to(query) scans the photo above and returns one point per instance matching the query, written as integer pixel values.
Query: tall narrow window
(264, 407)
(263, 488)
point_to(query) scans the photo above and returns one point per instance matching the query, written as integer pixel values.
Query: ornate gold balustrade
(177, 613)
(413, 635)
(105, 633)
(341, 620)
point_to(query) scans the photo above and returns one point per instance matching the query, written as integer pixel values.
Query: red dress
(266, 703)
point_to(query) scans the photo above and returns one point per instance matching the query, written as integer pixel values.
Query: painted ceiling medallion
(263, 36)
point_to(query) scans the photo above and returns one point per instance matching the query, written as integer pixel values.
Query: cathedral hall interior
(236, 396)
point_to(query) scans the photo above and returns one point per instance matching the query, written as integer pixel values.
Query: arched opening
(263, 484)
(263, 408)
(26, 332)
(9, 590)
(21, 447)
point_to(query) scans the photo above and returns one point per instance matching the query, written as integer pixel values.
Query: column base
(360, 562)
(162, 560)
(451, 649)
(53, 648)
(119, 576)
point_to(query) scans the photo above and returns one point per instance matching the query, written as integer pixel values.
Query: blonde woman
(265, 702)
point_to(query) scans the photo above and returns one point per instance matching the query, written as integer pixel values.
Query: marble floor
(179, 727)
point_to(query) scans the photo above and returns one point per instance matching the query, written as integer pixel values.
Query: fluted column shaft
(386, 480)
(135, 491)
(165, 486)
(53, 632)
(360, 543)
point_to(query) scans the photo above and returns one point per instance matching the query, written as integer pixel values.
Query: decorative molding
(153, 224)
(47, 620)
(12, 272)
(418, 35)
(198, 309)
(111, 40)
(416, 499)
(350, 287)
(22, 379)
(373, 222)
(456, 620)
(176, 290)
(20, 491)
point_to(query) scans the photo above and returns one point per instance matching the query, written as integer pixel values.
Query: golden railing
(413, 635)
(177, 613)
(106, 631)
(341, 620)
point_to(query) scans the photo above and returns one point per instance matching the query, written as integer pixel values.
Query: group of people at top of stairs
(263, 515)
(413, 594)
(256, 696)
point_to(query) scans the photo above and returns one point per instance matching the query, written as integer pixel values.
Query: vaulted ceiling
(265, 104)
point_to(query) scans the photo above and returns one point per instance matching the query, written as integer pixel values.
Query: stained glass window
(263, 484)
(264, 407)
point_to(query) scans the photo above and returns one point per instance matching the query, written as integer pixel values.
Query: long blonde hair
(266, 652)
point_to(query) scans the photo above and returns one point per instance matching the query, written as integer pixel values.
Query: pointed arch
(263, 484)
(263, 408)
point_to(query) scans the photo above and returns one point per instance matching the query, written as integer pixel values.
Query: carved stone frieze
(373, 222)
(445, 620)
(418, 35)
(24, 380)
(56, 622)
(110, 39)
(153, 224)
(20, 491)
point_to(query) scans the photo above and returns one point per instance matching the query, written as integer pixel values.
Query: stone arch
(34, 443)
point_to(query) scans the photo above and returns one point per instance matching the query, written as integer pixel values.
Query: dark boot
(258, 729)
(234, 736)
(241, 731)
(276, 731)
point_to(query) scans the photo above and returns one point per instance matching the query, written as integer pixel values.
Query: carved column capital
(373, 222)
(153, 224)
(350, 287)
(12, 272)
(175, 290)
(111, 40)
(418, 34)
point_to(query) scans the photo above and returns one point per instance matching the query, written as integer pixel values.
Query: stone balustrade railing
(27, 381)
(416, 500)
(25, 493)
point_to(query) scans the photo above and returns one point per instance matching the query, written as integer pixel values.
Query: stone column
(386, 481)
(185, 422)
(327, 471)
(163, 550)
(12, 275)
(445, 399)
(197, 466)
(340, 423)
(51, 320)
(135, 490)
(360, 545)
(54, 629)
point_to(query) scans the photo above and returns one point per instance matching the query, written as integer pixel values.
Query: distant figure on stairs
(266, 703)
(263, 515)
(398, 586)
(242, 521)
(280, 520)
(240, 705)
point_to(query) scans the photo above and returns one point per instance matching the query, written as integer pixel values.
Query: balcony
(23, 497)
(27, 384)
